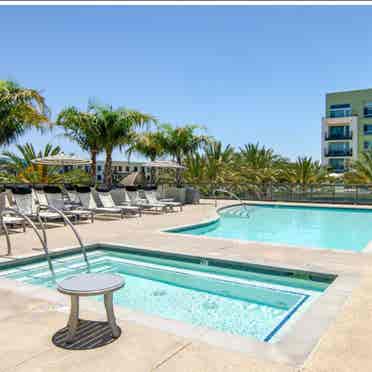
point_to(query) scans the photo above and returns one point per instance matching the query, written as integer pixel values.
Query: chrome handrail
(245, 205)
(43, 242)
(67, 222)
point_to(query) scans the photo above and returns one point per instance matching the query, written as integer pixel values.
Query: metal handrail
(68, 222)
(245, 205)
(43, 242)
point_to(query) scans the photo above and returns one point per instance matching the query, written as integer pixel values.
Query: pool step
(242, 212)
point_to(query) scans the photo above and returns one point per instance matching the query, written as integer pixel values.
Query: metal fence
(322, 193)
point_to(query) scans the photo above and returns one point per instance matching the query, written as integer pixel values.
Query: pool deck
(30, 316)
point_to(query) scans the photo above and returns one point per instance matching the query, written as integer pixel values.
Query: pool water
(245, 302)
(310, 227)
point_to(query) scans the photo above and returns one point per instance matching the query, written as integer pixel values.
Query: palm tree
(116, 129)
(361, 169)
(81, 127)
(305, 171)
(219, 162)
(260, 165)
(22, 168)
(180, 142)
(20, 108)
(148, 144)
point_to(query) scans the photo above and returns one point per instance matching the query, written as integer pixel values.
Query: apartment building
(346, 128)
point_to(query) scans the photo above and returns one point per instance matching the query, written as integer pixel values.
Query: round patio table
(91, 284)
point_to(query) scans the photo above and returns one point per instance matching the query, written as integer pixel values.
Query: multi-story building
(346, 128)
(120, 169)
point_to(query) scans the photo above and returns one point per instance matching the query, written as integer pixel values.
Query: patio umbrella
(61, 160)
(163, 164)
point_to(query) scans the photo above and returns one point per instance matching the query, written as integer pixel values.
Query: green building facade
(346, 128)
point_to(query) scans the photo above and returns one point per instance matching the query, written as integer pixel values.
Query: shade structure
(165, 164)
(61, 160)
(133, 179)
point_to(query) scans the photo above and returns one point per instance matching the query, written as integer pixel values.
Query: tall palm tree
(180, 142)
(148, 144)
(20, 108)
(305, 171)
(361, 169)
(116, 130)
(21, 166)
(219, 162)
(260, 165)
(81, 127)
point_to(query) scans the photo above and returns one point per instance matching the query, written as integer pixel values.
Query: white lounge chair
(25, 204)
(54, 197)
(107, 201)
(8, 218)
(152, 198)
(88, 202)
(144, 203)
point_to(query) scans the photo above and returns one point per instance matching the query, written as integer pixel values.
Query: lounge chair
(107, 201)
(72, 195)
(8, 218)
(144, 203)
(54, 198)
(25, 203)
(88, 202)
(151, 197)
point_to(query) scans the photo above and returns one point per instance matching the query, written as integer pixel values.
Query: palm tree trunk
(93, 167)
(108, 167)
(178, 172)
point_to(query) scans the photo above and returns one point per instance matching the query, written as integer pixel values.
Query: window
(368, 110)
(339, 131)
(127, 169)
(337, 164)
(367, 145)
(99, 177)
(99, 168)
(367, 128)
(340, 111)
(120, 168)
(135, 169)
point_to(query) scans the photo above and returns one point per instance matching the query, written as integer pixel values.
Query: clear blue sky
(247, 73)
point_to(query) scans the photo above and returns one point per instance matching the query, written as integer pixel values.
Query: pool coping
(293, 348)
(173, 229)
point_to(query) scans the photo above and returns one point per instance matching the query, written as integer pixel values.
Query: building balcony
(340, 120)
(338, 153)
(338, 137)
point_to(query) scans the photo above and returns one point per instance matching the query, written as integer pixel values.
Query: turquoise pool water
(255, 302)
(335, 228)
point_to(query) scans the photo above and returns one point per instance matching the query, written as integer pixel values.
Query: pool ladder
(42, 238)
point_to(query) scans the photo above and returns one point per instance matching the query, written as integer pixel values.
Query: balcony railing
(339, 153)
(335, 137)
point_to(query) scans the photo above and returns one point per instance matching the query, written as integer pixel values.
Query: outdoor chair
(87, 200)
(144, 203)
(107, 201)
(25, 204)
(54, 198)
(152, 198)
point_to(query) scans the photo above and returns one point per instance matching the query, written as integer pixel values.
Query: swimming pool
(235, 298)
(310, 227)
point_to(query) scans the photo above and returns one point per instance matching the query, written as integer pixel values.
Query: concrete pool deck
(29, 318)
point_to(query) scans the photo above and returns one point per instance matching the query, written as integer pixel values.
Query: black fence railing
(322, 193)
